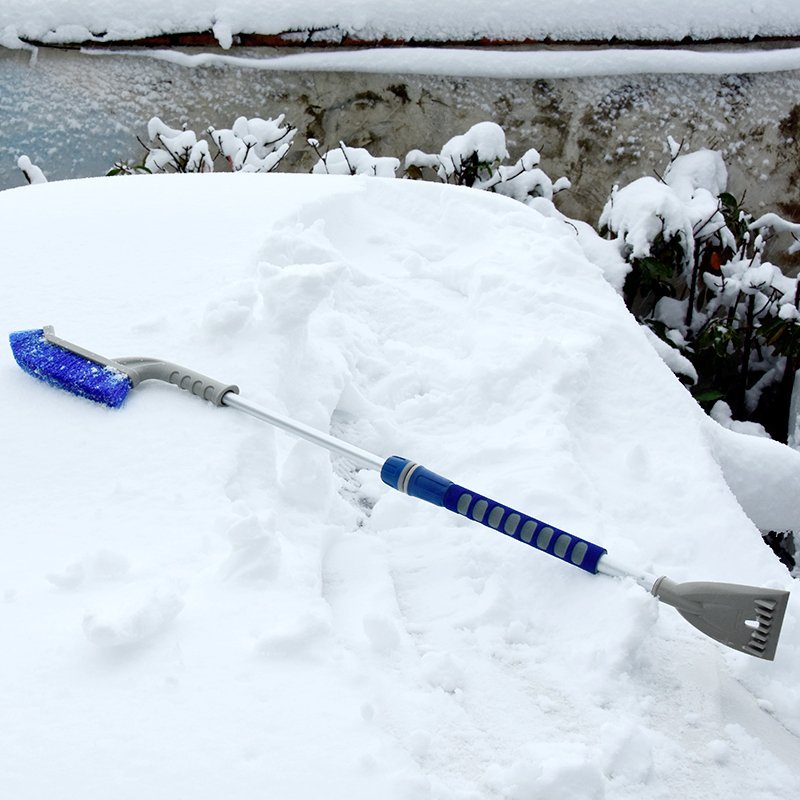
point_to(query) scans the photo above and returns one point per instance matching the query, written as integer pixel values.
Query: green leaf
(655, 269)
(709, 396)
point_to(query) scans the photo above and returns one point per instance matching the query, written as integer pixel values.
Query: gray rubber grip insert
(143, 369)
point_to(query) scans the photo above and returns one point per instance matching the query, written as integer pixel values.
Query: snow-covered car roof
(197, 605)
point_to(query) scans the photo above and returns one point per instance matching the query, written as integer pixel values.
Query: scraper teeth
(766, 606)
(757, 643)
(759, 637)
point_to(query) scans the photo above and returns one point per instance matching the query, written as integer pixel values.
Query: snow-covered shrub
(254, 145)
(475, 159)
(32, 173)
(468, 159)
(665, 226)
(250, 145)
(743, 325)
(344, 160)
(176, 150)
(698, 280)
(525, 180)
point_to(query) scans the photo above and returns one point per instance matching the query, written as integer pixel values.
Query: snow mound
(264, 619)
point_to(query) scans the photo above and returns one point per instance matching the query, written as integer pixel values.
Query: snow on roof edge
(415, 22)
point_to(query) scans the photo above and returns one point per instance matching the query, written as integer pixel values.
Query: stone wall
(76, 114)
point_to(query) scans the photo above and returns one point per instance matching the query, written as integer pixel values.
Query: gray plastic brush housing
(140, 369)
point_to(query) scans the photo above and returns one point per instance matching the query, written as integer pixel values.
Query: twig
(346, 159)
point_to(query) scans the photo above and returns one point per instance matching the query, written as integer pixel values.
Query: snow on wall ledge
(190, 590)
(404, 20)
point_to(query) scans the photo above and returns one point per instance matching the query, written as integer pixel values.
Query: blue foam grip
(529, 530)
(404, 475)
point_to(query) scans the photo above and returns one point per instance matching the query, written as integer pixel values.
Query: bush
(475, 159)
(250, 145)
(699, 281)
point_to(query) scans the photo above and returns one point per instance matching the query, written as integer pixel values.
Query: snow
(684, 205)
(778, 224)
(493, 63)
(195, 604)
(32, 173)
(702, 169)
(721, 412)
(645, 209)
(198, 157)
(345, 160)
(61, 21)
(486, 139)
(254, 145)
(680, 365)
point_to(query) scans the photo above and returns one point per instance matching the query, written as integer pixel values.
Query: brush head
(68, 370)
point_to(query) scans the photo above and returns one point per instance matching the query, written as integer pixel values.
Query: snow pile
(195, 604)
(333, 20)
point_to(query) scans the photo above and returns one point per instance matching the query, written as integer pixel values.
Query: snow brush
(746, 618)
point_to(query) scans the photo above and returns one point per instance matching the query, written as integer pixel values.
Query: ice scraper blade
(745, 618)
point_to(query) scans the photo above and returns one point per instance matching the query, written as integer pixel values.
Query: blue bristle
(67, 370)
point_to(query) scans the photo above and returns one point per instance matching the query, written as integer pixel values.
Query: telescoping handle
(417, 481)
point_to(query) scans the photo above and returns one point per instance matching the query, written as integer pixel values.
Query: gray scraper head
(746, 618)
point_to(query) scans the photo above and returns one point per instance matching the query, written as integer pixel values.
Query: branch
(343, 148)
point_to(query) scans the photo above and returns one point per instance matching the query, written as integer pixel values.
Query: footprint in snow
(133, 621)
